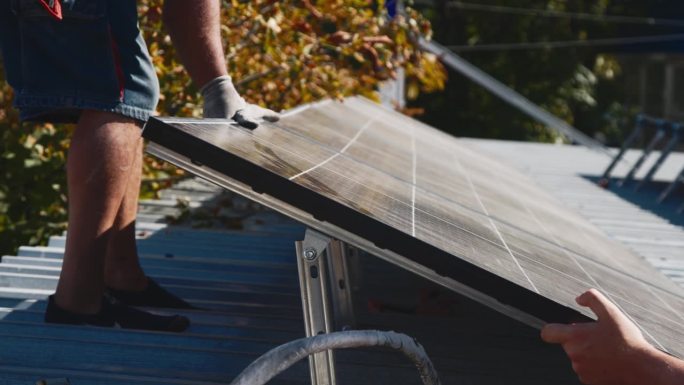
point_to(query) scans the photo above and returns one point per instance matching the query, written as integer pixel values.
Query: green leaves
(581, 84)
(32, 179)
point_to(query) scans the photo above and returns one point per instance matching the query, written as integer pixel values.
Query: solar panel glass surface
(422, 194)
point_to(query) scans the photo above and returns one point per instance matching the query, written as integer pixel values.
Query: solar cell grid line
(397, 221)
(562, 217)
(474, 204)
(675, 302)
(467, 234)
(667, 333)
(368, 149)
(635, 293)
(638, 313)
(565, 214)
(632, 267)
(578, 285)
(491, 222)
(557, 228)
(313, 124)
(618, 258)
(444, 178)
(346, 146)
(441, 138)
(443, 183)
(385, 149)
(555, 261)
(422, 199)
(610, 294)
(593, 280)
(667, 305)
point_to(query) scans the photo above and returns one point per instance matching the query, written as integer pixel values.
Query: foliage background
(282, 53)
(583, 85)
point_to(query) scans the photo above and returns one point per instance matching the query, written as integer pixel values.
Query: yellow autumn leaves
(285, 53)
(280, 54)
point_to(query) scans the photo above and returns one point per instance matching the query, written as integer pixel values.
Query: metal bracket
(671, 145)
(638, 128)
(659, 136)
(340, 288)
(670, 189)
(326, 295)
(311, 263)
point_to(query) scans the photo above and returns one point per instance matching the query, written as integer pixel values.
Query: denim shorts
(94, 58)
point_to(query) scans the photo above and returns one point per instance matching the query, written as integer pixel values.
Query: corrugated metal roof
(247, 276)
(243, 269)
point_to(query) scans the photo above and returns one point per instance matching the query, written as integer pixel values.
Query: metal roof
(246, 274)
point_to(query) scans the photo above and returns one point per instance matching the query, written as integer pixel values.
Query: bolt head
(310, 254)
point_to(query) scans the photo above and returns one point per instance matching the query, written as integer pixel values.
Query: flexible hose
(282, 357)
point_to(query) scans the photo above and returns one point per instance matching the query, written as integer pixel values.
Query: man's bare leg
(123, 276)
(101, 158)
(122, 268)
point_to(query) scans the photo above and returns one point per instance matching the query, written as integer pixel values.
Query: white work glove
(222, 101)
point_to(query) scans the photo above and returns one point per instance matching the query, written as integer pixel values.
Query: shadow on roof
(646, 198)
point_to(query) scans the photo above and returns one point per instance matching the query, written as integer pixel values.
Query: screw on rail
(310, 254)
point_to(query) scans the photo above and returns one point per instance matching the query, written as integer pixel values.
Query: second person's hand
(610, 351)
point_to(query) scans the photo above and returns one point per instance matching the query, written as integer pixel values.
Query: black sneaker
(116, 314)
(153, 296)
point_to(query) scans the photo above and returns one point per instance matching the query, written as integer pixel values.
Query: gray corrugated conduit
(279, 359)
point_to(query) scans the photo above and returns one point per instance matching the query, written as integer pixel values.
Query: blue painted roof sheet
(246, 274)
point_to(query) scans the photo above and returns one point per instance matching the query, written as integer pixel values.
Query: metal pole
(340, 286)
(671, 145)
(311, 263)
(660, 134)
(679, 179)
(638, 128)
(509, 95)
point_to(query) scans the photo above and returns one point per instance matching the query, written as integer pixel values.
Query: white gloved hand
(222, 101)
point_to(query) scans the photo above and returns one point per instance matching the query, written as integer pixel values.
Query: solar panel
(424, 200)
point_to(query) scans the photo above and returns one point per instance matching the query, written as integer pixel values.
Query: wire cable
(560, 14)
(568, 44)
(282, 357)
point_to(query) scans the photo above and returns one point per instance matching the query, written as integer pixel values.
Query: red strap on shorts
(54, 7)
